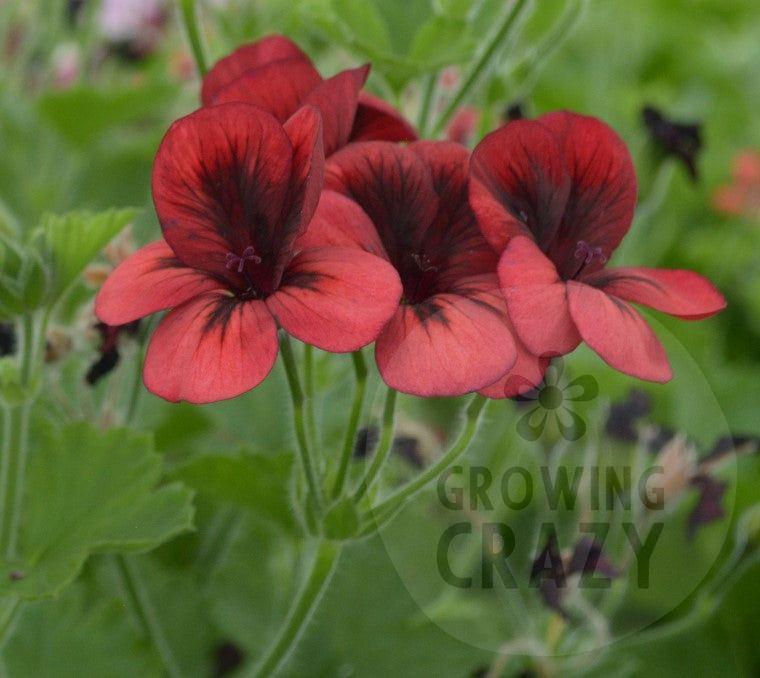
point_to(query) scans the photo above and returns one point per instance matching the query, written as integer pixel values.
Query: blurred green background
(82, 109)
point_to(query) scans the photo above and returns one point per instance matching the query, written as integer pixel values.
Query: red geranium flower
(277, 76)
(555, 196)
(450, 334)
(234, 192)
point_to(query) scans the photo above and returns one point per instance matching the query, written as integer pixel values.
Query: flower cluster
(297, 203)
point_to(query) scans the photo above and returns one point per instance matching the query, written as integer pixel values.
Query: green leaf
(78, 634)
(257, 482)
(89, 491)
(76, 238)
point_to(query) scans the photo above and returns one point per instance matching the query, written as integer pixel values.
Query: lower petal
(536, 299)
(526, 374)
(618, 333)
(150, 280)
(211, 348)
(336, 298)
(684, 294)
(447, 346)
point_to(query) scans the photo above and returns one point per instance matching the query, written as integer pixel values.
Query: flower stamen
(587, 254)
(233, 260)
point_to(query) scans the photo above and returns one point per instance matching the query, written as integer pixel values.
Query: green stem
(428, 95)
(323, 565)
(146, 613)
(308, 387)
(297, 396)
(483, 61)
(387, 508)
(383, 449)
(190, 19)
(360, 371)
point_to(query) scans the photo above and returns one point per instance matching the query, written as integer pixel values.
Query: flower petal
(600, 207)
(279, 87)
(618, 333)
(526, 374)
(211, 348)
(447, 346)
(337, 99)
(150, 280)
(378, 121)
(536, 299)
(220, 180)
(304, 129)
(245, 58)
(684, 294)
(340, 221)
(392, 185)
(519, 184)
(336, 298)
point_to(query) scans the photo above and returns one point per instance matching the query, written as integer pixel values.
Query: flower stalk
(360, 373)
(481, 64)
(383, 449)
(190, 20)
(326, 554)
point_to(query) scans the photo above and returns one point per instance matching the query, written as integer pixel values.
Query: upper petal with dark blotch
(393, 186)
(279, 87)
(519, 184)
(602, 199)
(150, 280)
(245, 58)
(448, 345)
(618, 333)
(340, 221)
(337, 98)
(684, 294)
(336, 298)
(536, 299)
(377, 120)
(220, 180)
(211, 348)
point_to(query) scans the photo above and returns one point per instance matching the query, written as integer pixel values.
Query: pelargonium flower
(450, 334)
(276, 75)
(234, 192)
(554, 197)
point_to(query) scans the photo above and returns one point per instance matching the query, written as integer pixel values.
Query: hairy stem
(383, 449)
(302, 609)
(481, 64)
(299, 423)
(190, 20)
(426, 104)
(360, 372)
(381, 513)
(308, 387)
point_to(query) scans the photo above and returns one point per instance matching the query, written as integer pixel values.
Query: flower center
(586, 254)
(238, 262)
(418, 275)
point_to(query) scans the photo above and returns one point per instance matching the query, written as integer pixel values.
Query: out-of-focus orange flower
(742, 196)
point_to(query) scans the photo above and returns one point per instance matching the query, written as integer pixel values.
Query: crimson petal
(519, 184)
(392, 185)
(336, 298)
(600, 207)
(684, 294)
(150, 280)
(279, 88)
(340, 221)
(449, 345)
(378, 121)
(337, 99)
(536, 299)
(618, 333)
(245, 58)
(220, 181)
(211, 348)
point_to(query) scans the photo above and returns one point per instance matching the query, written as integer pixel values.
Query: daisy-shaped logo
(553, 398)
